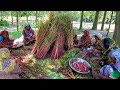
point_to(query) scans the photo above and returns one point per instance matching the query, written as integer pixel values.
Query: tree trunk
(81, 20)
(1, 15)
(110, 23)
(27, 17)
(36, 18)
(102, 27)
(17, 19)
(12, 17)
(95, 21)
(7, 14)
(116, 34)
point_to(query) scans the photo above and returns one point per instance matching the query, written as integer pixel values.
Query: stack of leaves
(46, 69)
(49, 67)
(64, 60)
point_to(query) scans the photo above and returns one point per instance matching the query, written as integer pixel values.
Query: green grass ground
(13, 34)
(1, 27)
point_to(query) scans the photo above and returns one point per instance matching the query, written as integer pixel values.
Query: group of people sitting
(104, 52)
(27, 34)
(10, 69)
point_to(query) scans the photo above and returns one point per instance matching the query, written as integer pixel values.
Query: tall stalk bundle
(49, 40)
(70, 38)
(58, 48)
(55, 27)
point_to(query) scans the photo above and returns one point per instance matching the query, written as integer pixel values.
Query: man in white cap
(99, 35)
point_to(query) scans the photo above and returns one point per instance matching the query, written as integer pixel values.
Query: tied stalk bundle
(54, 36)
(58, 48)
(49, 40)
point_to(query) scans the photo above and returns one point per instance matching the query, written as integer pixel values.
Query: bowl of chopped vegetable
(80, 65)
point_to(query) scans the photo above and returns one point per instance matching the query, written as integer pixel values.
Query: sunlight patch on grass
(14, 34)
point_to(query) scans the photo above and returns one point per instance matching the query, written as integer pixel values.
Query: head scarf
(1, 38)
(27, 24)
(116, 54)
(26, 31)
(75, 37)
(106, 70)
(99, 35)
(5, 34)
(107, 42)
(6, 64)
(1, 32)
(86, 32)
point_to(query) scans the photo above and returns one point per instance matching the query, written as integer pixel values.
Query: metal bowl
(79, 60)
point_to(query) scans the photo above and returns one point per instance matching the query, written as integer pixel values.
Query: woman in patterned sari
(112, 69)
(28, 34)
(9, 69)
(85, 40)
(75, 41)
(96, 46)
(5, 41)
(101, 56)
(98, 41)
(108, 45)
